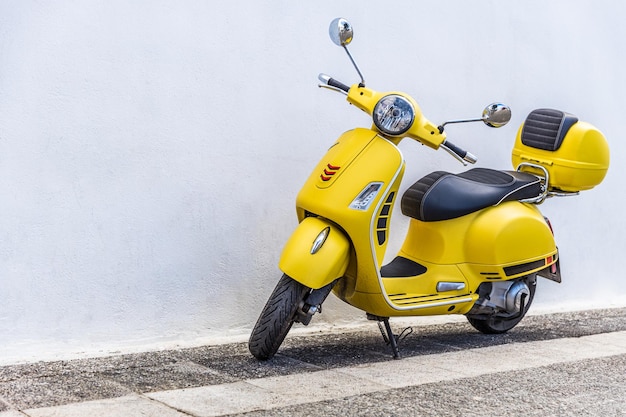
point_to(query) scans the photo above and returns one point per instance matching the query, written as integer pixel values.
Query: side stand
(390, 338)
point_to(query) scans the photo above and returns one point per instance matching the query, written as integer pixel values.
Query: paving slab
(126, 406)
(591, 388)
(411, 371)
(219, 400)
(323, 384)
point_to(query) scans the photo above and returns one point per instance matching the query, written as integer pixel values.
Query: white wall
(150, 151)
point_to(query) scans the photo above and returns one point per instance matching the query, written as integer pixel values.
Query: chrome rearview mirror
(496, 115)
(340, 31)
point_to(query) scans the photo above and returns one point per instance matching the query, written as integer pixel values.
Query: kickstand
(390, 338)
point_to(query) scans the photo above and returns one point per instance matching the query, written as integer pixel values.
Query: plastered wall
(151, 151)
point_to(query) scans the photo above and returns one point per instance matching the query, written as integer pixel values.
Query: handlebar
(328, 80)
(460, 154)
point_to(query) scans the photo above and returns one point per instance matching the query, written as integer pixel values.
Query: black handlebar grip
(459, 151)
(338, 84)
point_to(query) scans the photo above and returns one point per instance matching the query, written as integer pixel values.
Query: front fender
(318, 269)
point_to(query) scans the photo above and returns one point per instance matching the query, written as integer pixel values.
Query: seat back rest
(546, 128)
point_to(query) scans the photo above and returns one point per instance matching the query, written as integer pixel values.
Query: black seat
(442, 195)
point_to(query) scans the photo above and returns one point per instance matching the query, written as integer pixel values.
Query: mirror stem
(356, 67)
(458, 121)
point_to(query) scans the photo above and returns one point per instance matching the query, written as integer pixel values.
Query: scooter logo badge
(329, 171)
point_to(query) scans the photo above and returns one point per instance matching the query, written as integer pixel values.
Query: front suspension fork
(313, 303)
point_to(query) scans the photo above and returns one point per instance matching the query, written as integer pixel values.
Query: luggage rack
(545, 181)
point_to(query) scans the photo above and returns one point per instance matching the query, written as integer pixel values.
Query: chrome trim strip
(444, 286)
(319, 240)
(435, 304)
(373, 222)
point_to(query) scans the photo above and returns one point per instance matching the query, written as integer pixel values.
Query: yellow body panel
(499, 243)
(421, 291)
(496, 243)
(315, 270)
(360, 157)
(508, 233)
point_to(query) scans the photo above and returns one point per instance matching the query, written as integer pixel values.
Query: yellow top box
(574, 153)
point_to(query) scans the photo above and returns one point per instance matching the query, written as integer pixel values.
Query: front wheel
(503, 322)
(277, 317)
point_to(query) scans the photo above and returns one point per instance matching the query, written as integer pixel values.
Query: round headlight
(393, 115)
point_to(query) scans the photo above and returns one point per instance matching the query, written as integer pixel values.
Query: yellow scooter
(476, 240)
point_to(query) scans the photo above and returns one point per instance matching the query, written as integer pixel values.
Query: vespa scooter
(476, 241)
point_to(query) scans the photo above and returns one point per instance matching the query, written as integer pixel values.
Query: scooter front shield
(316, 254)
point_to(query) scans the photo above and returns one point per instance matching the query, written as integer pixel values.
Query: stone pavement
(566, 364)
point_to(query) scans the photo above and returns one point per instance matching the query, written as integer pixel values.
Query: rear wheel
(277, 317)
(503, 322)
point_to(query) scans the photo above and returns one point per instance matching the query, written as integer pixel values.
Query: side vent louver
(382, 223)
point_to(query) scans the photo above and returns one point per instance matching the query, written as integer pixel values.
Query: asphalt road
(567, 364)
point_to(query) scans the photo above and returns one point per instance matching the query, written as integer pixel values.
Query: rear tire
(277, 317)
(501, 324)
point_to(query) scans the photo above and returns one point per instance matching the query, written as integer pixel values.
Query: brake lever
(330, 87)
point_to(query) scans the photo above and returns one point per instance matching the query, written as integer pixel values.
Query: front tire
(277, 317)
(498, 324)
